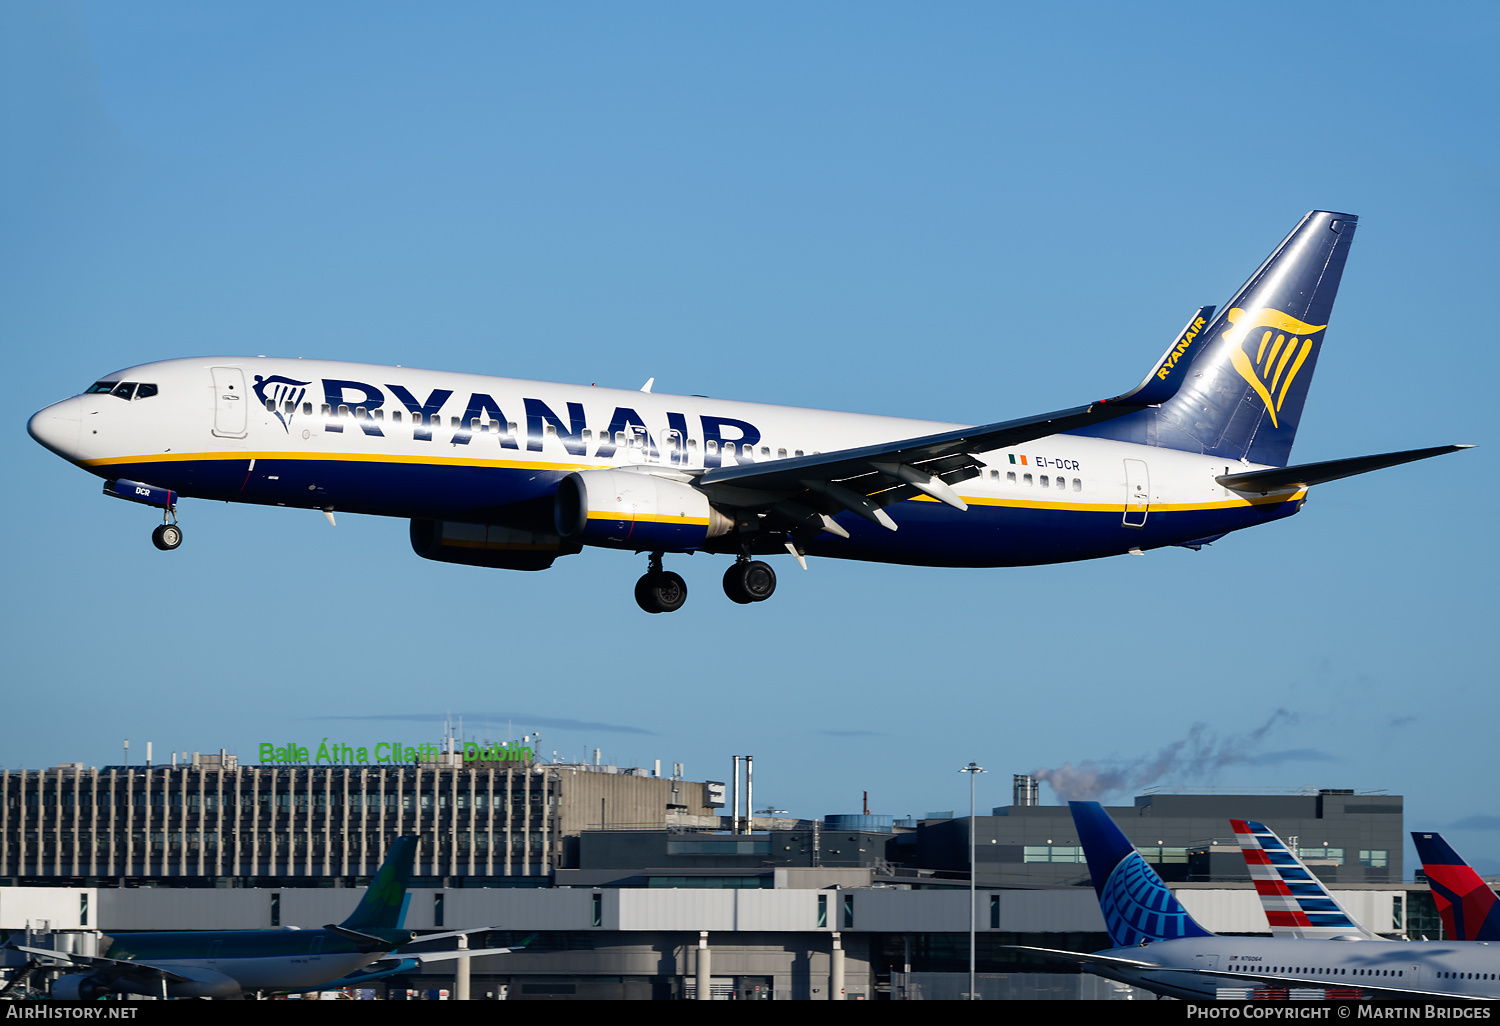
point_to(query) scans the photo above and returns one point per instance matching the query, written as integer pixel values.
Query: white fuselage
(1462, 969)
(424, 444)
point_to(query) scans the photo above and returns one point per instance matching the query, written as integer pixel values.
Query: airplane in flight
(1466, 903)
(1296, 902)
(1160, 947)
(232, 963)
(512, 474)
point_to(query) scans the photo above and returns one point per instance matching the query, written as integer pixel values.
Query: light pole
(972, 769)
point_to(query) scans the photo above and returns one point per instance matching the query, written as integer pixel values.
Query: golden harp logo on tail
(1268, 349)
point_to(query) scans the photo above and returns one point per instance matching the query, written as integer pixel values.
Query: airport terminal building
(620, 883)
(212, 822)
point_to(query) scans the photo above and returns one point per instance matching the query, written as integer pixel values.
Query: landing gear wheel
(660, 591)
(167, 537)
(749, 581)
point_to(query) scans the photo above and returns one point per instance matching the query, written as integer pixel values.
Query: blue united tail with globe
(1137, 906)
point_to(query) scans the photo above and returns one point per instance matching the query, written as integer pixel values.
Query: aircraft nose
(58, 427)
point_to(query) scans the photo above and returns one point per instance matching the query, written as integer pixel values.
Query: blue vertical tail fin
(1243, 392)
(1137, 906)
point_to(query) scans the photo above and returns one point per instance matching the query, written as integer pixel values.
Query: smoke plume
(1195, 758)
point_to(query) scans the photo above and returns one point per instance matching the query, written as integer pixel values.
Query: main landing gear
(749, 580)
(746, 581)
(660, 591)
(168, 536)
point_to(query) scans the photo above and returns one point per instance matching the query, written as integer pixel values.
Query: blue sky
(966, 212)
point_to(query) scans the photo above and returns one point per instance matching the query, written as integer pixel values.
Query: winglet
(1469, 909)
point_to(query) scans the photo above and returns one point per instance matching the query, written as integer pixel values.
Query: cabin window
(619, 438)
(728, 448)
(1010, 477)
(1045, 483)
(395, 416)
(511, 427)
(692, 443)
(781, 454)
(380, 415)
(1027, 479)
(797, 453)
(360, 413)
(1077, 485)
(587, 435)
(711, 447)
(270, 405)
(1061, 484)
(453, 422)
(765, 450)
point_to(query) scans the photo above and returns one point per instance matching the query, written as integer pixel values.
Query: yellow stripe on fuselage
(339, 457)
(1116, 507)
(470, 461)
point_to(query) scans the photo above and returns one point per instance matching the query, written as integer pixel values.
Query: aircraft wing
(864, 480)
(454, 933)
(446, 956)
(108, 969)
(806, 490)
(1086, 958)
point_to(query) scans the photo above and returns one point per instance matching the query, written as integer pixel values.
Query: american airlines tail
(1296, 902)
(1469, 908)
(1244, 390)
(384, 905)
(1137, 906)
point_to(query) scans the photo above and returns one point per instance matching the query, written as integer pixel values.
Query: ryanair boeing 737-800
(511, 474)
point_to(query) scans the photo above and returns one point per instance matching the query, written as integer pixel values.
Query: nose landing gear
(168, 535)
(660, 591)
(749, 580)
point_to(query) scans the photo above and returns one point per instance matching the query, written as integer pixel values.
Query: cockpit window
(126, 390)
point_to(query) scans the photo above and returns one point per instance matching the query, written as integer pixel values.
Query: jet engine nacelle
(626, 510)
(501, 548)
(77, 987)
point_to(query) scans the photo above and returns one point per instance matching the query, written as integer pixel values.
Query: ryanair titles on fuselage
(362, 400)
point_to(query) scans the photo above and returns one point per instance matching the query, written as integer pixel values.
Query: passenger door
(1137, 493)
(231, 402)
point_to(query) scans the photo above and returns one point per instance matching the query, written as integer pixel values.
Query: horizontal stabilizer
(1282, 479)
